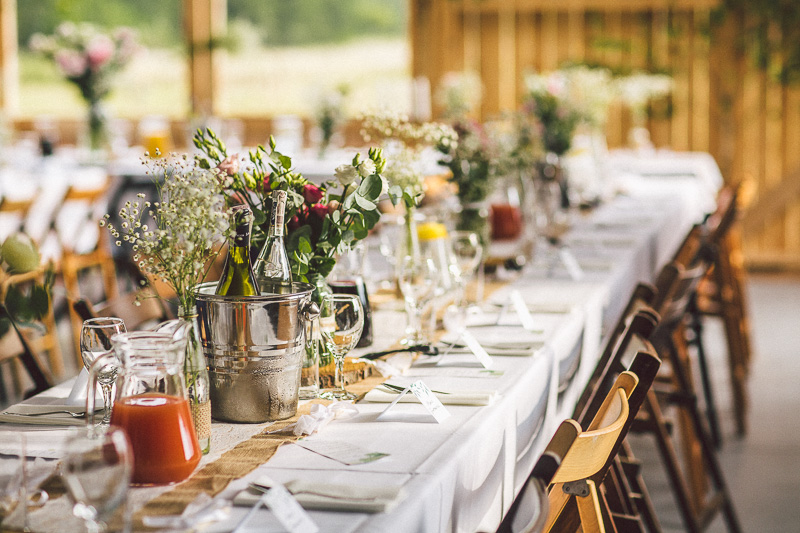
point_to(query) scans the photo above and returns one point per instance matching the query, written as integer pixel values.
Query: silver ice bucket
(255, 347)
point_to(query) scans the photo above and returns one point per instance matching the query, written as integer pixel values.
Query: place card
(341, 451)
(571, 264)
(288, 512)
(426, 397)
(477, 350)
(524, 314)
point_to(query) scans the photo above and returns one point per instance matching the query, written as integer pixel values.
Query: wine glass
(467, 256)
(96, 336)
(341, 320)
(97, 469)
(419, 282)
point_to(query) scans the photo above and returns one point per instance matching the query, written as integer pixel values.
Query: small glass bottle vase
(197, 381)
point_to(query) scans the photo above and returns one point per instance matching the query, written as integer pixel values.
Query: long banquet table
(462, 474)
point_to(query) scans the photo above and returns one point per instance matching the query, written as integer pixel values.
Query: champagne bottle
(237, 274)
(272, 269)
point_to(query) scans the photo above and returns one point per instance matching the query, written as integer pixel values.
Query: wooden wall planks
(722, 103)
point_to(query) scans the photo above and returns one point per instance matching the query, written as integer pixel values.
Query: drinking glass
(419, 282)
(96, 470)
(467, 254)
(13, 489)
(341, 321)
(96, 336)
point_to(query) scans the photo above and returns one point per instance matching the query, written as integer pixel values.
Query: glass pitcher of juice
(151, 405)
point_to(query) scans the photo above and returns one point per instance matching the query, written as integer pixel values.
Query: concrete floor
(763, 468)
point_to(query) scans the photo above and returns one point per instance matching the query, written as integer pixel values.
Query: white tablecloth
(462, 475)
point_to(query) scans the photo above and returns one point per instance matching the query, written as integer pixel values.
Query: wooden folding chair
(16, 348)
(721, 294)
(697, 481)
(138, 309)
(74, 261)
(625, 489)
(575, 498)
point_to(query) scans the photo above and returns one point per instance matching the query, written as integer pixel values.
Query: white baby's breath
(191, 222)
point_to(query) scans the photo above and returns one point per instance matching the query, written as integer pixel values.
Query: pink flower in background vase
(99, 51)
(229, 165)
(71, 63)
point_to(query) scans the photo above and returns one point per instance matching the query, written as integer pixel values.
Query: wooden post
(205, 23)
(9, 65)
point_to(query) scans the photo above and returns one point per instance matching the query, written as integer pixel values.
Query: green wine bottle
(237, 274)
(272, 269)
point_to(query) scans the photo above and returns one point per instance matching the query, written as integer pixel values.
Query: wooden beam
(9, 63)
(205, 23)
(584, 5)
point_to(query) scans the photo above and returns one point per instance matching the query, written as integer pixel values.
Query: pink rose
(293, 223)
(312, 193)
(99, 51)
(230, 165)
(70, 62)
(333, 206)
(320, 210)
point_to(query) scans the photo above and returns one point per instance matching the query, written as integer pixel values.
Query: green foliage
(293, 22)
(158, 21)
(771, 34)
(26, 304)
(321, 223)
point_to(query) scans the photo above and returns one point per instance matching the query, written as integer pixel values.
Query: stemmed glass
(341, 320)
(419, 282)
(97, 469)
(468, 254)
(96, 336)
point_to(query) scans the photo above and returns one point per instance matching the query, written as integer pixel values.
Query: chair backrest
(638, 320)
(148, 311)
(591, 449)
(584, 457)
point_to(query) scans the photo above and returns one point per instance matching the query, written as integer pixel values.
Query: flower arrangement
(459, 93)
(639, 88)
(548, 100)
(190, 223)
(88, 57)
(590, 91)
(405, 140)
(323, 220)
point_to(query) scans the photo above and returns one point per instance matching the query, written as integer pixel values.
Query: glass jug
(151, 405)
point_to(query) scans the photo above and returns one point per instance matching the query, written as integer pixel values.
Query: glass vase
(98, 127)
(321, 289)
(197, 383)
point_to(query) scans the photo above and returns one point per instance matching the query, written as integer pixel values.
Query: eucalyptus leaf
(371, 187)
(363, 203)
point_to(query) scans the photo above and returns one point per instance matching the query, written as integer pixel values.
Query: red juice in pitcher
(162, 436)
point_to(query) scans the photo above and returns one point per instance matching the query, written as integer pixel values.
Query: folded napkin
(498, 340)
(44, 443)
(448, 396)
(44, 415)
(52, 407)
(332, 497)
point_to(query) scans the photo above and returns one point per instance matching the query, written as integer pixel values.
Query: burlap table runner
(236, 462)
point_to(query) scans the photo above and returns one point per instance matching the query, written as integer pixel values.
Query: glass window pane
(287, 55)
(154, 82)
